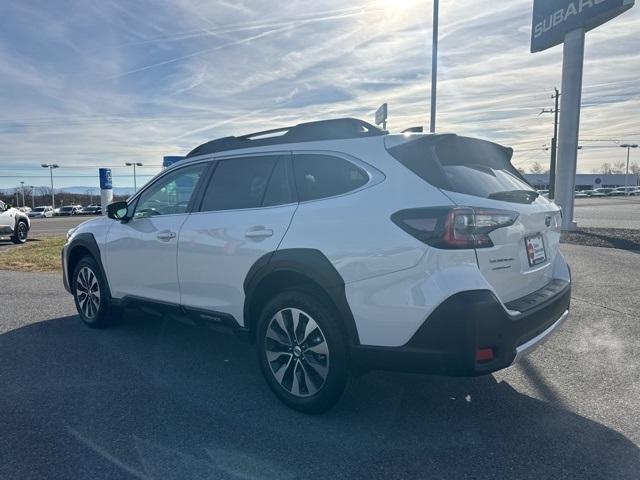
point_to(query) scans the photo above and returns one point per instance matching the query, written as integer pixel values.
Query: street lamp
(628, 146)
(134, 165)
(434, 66)
(51, 166)
(22, 190)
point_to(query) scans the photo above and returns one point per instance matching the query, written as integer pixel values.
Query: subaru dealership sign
(553, 19)
(106, 182)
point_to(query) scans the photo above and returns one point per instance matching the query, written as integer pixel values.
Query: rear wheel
(302, 350)
(91, 295)
(21, 233)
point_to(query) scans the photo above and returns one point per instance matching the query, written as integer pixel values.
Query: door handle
(259, 232)
(166, 235)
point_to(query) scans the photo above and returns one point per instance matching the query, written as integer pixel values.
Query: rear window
(322, 176)
(465, 165)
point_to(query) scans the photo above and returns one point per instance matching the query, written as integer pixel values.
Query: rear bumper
(447, 341)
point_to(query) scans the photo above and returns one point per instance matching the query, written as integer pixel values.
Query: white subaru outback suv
(333, 245)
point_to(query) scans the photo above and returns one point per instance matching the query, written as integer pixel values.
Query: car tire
(21, 233)
(91, 295)
(302, 350)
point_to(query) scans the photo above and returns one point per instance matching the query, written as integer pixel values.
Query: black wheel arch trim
(307, 262)
(88, 242)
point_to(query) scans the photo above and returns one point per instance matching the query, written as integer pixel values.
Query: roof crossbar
(336, 129)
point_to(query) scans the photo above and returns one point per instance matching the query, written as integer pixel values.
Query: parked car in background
(91, 210)
(41, 212)
(580, 194)
(14, 223)
(606, 192)
(593, 193)
(24, 209)
(629, 190)
(69, 210)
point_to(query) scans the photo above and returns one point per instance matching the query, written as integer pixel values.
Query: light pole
(628, 146)
(33, 201)
(51, 166)
(22, 190)
(434, 67)
(134, 165)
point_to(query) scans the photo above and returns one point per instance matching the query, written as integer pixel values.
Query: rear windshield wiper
(520, 196)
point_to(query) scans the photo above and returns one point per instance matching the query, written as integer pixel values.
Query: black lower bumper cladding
(447, 342)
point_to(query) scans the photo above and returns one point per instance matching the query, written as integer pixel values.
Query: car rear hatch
(517, 230)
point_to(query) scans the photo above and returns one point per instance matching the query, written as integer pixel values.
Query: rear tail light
(453, 227)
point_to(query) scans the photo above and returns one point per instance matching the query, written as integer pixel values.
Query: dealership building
(585, 181)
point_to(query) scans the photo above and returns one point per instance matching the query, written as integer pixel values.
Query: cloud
(92, 83)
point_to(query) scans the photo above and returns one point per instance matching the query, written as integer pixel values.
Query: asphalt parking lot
(155, 398)
(608, 212)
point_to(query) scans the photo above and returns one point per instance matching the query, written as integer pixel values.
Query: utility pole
(134, 164)
(554, 143)
(22, 190)
(51, 166)
(33, 201)
(628, 146)
(434, 67)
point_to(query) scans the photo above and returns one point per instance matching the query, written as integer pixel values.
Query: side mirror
(118, 210)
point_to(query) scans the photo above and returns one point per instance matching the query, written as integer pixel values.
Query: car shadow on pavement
(155, 398)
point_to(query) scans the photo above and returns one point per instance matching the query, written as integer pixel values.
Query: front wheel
(91, 296)
(21, 233)
(302, 350)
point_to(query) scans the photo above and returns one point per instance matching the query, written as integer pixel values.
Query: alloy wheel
(88, 292)
(297, 352)
(22, 232)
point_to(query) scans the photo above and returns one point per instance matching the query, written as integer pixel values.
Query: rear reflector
(453, 227)
(484, 355)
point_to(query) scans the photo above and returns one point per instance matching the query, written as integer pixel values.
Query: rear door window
(241, 183)
(465, 165)
(321, 176)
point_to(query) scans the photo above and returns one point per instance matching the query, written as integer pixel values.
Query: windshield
(66, 209)
(38, 209)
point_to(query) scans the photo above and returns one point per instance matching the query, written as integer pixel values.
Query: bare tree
(634, 168)
(604, 168)
(538, 168)
(42, 191)
(619, 167)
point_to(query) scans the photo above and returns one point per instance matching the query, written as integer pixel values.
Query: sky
(90, 83)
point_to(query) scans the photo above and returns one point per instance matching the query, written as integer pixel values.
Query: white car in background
(41, 212)
(13, 223)
(628, 190)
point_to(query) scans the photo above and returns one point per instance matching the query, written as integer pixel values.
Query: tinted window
(239, 183)
(465, 165)
(320, 176)
(171, 193)
(279, 188)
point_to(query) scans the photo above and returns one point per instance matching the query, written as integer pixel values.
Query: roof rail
(336, 129)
